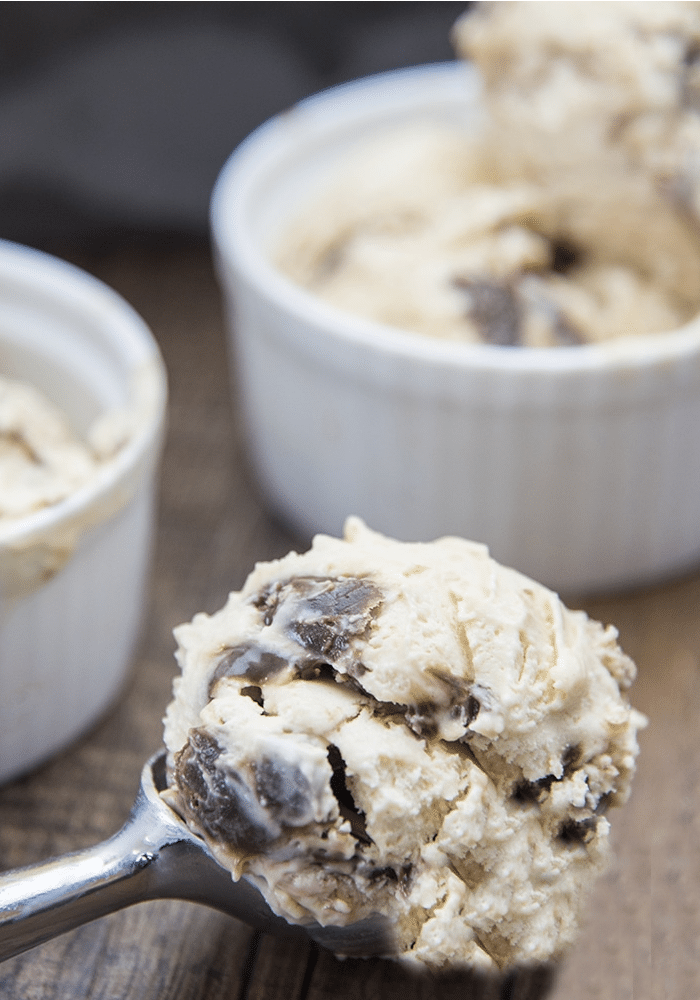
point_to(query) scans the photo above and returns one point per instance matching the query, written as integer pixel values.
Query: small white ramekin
(73, 575)
(579, 466)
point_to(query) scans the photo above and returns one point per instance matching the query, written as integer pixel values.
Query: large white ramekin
(580, 466)
(73, 576)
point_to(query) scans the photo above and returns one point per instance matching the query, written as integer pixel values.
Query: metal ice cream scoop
(154, 856)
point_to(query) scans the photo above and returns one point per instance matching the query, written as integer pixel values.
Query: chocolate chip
(386, 874)
(472, 709)
(217, 799)
(348, 596)
(254, 692)
(283, 789)
(317, 672)
(565, 256)
(533, 791)
(603, 804)
(329, 613)
(494, 308)
(387, 709)
(323, 614)
(421, 720)
(320, 638)
(246, 660)
(578, 831)
(569, 759)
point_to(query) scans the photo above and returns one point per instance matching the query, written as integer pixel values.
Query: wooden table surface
(641, 940)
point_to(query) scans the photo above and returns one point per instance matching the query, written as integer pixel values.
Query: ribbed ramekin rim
(33, 266)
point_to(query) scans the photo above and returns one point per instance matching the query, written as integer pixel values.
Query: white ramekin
(580, 466)
(73, 575)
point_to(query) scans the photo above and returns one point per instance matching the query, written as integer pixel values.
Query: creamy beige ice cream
(407, 729)
(42, 459)
(570, 215)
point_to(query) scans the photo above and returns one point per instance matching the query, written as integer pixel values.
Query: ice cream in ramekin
(82, 413)
(578, 463)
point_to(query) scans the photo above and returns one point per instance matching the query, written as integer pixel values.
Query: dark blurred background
(115, 118)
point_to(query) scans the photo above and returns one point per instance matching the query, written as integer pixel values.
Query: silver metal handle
(154, 856)
(140, 862)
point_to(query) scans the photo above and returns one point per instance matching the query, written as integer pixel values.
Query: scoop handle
(44, 900)
(153, 856)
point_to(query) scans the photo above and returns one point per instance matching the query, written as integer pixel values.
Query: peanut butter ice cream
(406, 729)
(43, 460)
(567, 216)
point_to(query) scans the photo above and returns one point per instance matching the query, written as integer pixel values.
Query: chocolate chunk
(578, 831)
(421, 720)
(246, 660)
(206, 749)
(494, 307)
(528, 792)
(317, 672)
(318, 637)
(569, 759)
(406, 876)
(283, 789)
(466, 711)
(217, 799)
(565, 256)
(533, 791)
(254, 692)
(421, 717)
(388, 709)
(267, 602)
(471, 709)
(604, 803)
(386, 874)
(320, 597)
(349, 596)
(329, 613)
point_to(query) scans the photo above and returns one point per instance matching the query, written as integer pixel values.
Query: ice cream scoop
(154, 856)
(399, 749)
(412, 729)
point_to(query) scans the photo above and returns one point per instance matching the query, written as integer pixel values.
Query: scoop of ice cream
(407, 729)
(569, 215)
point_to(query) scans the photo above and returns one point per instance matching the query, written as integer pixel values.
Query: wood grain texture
(641, 937)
